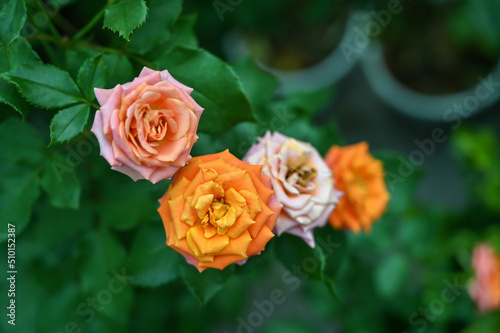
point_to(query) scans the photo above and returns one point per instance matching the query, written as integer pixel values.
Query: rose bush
(485, 288)
(361, 178)
(301, 180)
(146, 128)
(218, 211)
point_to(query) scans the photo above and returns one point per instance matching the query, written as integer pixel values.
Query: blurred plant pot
(300, 68)
(426, 106)
(426, 70)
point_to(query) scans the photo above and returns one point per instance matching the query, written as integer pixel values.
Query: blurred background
(394, 69)
(392, 73)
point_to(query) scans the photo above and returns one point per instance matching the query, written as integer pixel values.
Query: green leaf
(115, 316)
(237, 139)
(291, 325)
(320, 263)
(151, 261)
(321, 137)
(102, 254)
(63, 301)
(119, 69)
(20, 143)
(402, 179)
(158, 27)
(216, 88)
(64, 192)
(74, 58)
(124, 203)
(11, 96)
(12, 15)
(183, 34)
(258, 85)
(68, 123)
(124, 16)
(102, 258)
(334, 246)
(390, 275)
(92, 74)
(53, 227)
(44, 85)
(17, 52)
(19, 189)
(309, 103)
(205, 285)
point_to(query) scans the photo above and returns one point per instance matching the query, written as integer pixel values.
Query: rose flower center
(220, 215)
(300, 175)
(361, 183)
(154, 125)
(218, 212)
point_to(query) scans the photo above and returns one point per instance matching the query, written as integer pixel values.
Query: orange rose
(218, 211)
(485, 289)
(361, 178)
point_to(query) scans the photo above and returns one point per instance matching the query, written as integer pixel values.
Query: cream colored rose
(301, 181)
(146, 128)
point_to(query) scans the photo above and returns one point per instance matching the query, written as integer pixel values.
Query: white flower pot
(327, 72)
(446, 108)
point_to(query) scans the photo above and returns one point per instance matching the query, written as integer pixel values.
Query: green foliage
(123, 204)
(57, 229)
(92, 74)
(204, 285)
(100, 251)
(321, 137)
(119, 69)
(64, 192)
(20, 180)
(90, 245)
(20, 149)
(124, 16)
(479, 150)
(20, 188)
(216, 87)
(12, 16)
(390, 275)
(258, 85)
(44, 85)
(17, 52)
(158, 27)
(321, 263)
(402, 178)
(68, 123)
(151, 261)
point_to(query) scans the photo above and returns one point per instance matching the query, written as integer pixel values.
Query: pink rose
(301, 180)
(146, 128)
(485, 289)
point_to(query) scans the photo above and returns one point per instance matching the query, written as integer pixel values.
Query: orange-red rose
(361, 178)
(218, 211)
